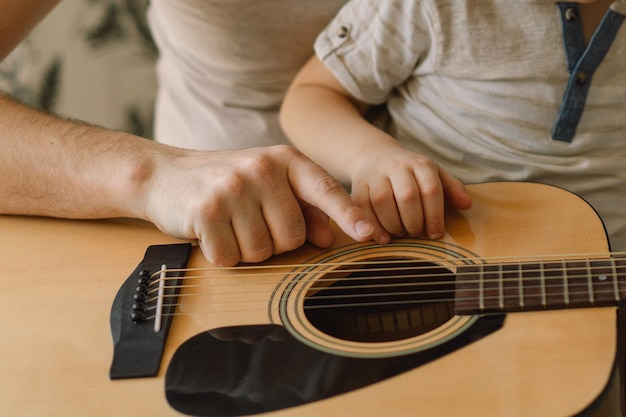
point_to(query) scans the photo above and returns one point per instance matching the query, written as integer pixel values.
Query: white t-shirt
(479, 86)
(225, 65)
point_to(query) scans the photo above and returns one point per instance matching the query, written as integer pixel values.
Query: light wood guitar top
(59, 278)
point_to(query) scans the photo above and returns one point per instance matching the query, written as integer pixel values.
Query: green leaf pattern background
(91, 60)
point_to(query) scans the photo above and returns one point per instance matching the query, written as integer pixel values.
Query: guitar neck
(545, 285)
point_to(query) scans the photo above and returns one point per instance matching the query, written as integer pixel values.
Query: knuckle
(286, 151)
(260, 167)
(228, 186)
(430, 191)
(407, 196)
(426, 163)
(327, 185)
(207, 210)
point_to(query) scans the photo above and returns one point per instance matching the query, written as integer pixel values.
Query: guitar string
(262, 305)
(600, 271)
(248, 304)
(273, 270)
(581, 294)
(306, 268)
(393, 281)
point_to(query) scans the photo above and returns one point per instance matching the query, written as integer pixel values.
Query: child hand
(405, 191)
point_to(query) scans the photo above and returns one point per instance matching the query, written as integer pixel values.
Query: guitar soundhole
(383, 301)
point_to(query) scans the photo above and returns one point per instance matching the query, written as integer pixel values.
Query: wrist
(135, 176)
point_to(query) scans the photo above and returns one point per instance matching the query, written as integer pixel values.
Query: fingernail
(364, 228)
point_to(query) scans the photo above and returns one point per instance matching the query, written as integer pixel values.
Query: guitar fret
(481, 290)
(512, 294)
(521, 285)
(565, 284)
(494, 287)
(542, 277)
(590, 283)
(602, 289)
(615, 286)
(620, 271)
(578, 283)
(501, 288)
(533, 297)
(556, 283)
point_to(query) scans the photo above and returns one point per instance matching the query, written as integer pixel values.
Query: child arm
(404, 190)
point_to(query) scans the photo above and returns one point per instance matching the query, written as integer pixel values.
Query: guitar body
(59, 278)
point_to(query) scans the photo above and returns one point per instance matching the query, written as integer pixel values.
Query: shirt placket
(582, 64)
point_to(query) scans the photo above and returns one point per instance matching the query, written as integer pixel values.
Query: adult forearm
(56, 167)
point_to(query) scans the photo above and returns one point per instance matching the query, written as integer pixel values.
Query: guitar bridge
(140, 320)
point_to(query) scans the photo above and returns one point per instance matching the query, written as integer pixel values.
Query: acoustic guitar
(513, 313)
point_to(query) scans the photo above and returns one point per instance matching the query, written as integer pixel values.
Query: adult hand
(241, 205)
(247, 205)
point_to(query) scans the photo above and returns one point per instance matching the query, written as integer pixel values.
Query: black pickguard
(245, 370)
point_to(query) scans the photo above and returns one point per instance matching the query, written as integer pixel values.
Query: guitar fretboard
(521, 286)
